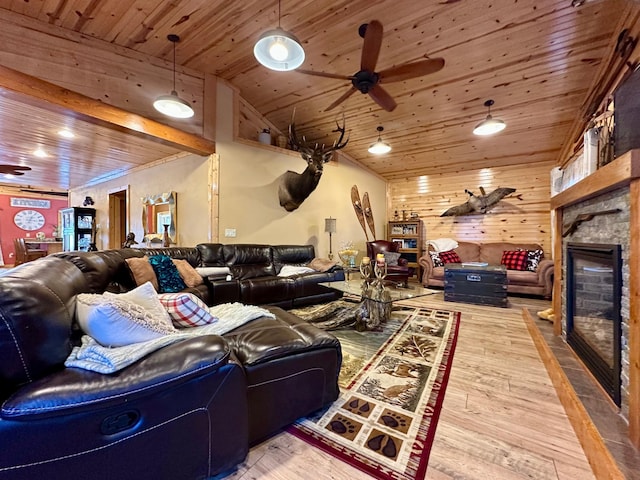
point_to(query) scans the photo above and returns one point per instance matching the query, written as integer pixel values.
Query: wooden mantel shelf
(614, 175)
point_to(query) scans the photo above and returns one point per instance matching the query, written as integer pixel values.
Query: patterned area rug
(392, 388)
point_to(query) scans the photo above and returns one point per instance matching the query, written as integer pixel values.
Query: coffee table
(375, 300)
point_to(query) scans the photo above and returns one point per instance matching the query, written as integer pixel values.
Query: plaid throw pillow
(435, 259)
(514, 259)
(450, 257)
(186, 310)
(533, 259)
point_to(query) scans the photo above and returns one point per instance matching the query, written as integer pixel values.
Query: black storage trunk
(479, 285)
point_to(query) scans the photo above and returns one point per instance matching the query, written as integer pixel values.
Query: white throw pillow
(115, 321)
(186, 310)
(288, 270)
(212, 271)
(147, 297)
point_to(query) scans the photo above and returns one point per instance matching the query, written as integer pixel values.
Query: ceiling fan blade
(324, 74)
(411, 70)
(382, 98)
(371, 46)
(346, 95)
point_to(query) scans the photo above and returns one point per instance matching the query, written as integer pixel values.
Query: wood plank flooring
(501, 417)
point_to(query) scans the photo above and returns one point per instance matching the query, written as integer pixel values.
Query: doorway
(118, 215)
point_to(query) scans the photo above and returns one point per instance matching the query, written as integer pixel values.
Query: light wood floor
(501, 417)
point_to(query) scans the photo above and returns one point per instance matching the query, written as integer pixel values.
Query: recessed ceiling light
(40, 153)
(66, 133)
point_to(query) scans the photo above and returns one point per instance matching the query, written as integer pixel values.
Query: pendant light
(379, 147)
(489, 125)
(172, 105)
(278, 49)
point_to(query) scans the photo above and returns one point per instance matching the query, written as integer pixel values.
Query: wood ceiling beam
(35, 91)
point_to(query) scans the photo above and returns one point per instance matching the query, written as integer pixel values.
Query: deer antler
(316, 150)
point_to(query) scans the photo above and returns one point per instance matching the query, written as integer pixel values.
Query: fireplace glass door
(593, 310)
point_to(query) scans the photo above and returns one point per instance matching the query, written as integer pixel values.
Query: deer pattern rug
(392, 388)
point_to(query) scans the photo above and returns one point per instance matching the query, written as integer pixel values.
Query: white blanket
(443, 244)
(97, 358)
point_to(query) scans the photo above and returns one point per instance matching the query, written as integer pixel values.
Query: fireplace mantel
(622, 172)
(615, 174)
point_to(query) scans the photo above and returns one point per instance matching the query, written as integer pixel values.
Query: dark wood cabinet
(77, 228)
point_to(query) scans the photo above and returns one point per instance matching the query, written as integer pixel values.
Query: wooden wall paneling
(634, 314)
(522, 217)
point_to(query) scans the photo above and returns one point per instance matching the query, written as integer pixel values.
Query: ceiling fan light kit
(489, 125)
(278, 49)
(379, 147)
(172, 105)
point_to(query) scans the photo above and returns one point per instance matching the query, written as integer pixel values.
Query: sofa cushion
(115, 322)
(186, 310)
(450, 257)
(321, 264)
(289, 270)
(533, 259)
(142, 271)
(188, 274)
(169, 280)
(514, 259)
(145, 296)
(292, 254)
(435, 259)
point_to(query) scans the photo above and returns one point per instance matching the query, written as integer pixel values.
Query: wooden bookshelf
(410, 236)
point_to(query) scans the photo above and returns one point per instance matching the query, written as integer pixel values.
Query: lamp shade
(279, 50)
(489, 126)
(330, 225)
(173, 106)
(379, 148)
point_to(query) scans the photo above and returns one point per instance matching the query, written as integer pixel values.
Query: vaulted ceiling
(539, 60)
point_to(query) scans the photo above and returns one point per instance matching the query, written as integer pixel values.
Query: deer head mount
(296, 187)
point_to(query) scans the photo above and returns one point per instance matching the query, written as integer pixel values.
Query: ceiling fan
(13, 169)
(367, 80)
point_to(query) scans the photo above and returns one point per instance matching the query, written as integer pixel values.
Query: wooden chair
(25, 254)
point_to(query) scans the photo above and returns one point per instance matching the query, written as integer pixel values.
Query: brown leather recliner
(399, 273)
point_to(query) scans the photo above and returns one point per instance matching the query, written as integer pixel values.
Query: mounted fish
(296, 187)
(357, 207)
(479, 203)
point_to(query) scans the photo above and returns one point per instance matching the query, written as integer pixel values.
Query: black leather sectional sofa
(187, 411)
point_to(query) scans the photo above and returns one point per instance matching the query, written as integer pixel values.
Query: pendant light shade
(379, 147)
(278, 49)
(489, 125)
(172, 105)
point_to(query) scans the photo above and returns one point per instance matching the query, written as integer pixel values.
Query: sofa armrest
(73, 390)
(427, 267)
(545, 273)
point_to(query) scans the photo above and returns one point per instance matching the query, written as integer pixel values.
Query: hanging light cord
(174, 66)
(278, 13)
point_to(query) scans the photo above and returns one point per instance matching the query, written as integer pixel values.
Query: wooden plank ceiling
(536, 58)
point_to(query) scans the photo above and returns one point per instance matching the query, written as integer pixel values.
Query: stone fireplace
(594, 293)
(614, 191)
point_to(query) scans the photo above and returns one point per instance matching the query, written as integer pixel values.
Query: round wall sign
(29, 219)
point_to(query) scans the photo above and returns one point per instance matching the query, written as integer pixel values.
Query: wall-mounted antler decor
(479, 203)
(296, 187)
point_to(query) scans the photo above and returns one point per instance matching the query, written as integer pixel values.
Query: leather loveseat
(538, 282)
(187, 411)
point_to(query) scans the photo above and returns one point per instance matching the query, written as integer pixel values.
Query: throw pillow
(321, 264)
(213, 271)
(142, 271)
(145, 296)
(450, 257)
(288, 270)
(169, 280)
(514, 259)
(533, 259)
(435, 259)
(188, 274)
(391, 258)
(186, 310)
(116, 322)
